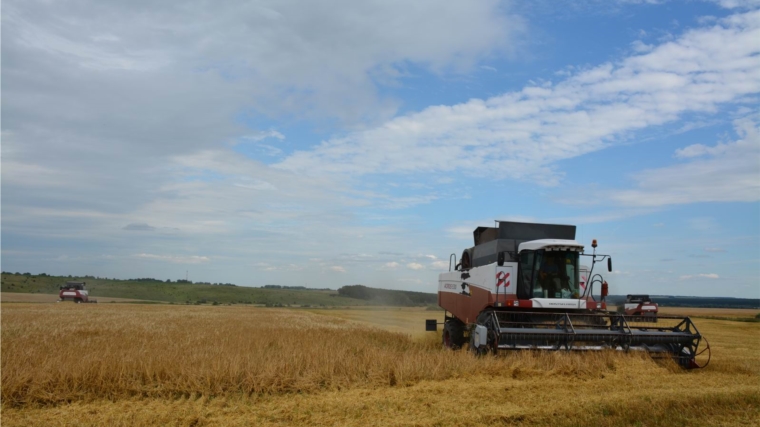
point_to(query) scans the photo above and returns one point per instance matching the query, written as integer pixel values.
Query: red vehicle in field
(522, 287)
(640, 305)
(76, 292)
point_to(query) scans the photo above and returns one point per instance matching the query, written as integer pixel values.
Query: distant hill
(187, 292)
(388, 296)
(181, 291)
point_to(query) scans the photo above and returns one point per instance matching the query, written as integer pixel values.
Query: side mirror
(609, 264)
(501, 259)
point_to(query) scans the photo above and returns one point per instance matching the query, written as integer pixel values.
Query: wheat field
(125, 364)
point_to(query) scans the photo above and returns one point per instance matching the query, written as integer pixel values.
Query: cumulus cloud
(523, 134)
(107, 123)
(730, 173)
(285, 56)
(415, 266)
(337, 269)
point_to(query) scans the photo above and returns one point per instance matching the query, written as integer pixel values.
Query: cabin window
(548, 274)
(557, 275)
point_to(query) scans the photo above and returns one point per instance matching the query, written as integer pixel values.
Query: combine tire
(453, 334)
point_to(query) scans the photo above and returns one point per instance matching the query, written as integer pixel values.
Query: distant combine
(521, 287)
(75, 292)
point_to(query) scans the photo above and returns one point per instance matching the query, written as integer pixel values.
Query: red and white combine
(76, 292)
(522, 287)
(640, 305)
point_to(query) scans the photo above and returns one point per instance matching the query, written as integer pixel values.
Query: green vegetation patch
(180, 292)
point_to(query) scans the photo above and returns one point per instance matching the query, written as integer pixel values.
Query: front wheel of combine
(453, 334)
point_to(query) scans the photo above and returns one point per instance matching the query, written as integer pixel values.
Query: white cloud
(698, 150)
(415, 266)
(738, 4)
(261, 135)
(523, 134)
(176, 259)
(287, 56)
(337, 269)
(731, 173)
(139, 115)
(264, 266)
(439, 265)
(699, 276)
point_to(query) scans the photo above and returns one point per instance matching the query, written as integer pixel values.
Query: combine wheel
(453, 334)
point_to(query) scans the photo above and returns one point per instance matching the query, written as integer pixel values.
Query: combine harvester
(522, 287)
(76, 292)
(639, 305)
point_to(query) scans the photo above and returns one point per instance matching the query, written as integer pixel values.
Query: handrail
(455, 261)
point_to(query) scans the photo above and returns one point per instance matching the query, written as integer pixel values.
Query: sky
(331, 143)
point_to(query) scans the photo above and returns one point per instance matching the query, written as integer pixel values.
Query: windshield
(557, 274)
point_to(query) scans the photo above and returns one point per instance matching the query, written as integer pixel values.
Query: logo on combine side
(501, 279)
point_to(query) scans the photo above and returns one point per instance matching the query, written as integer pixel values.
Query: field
(710, 312)
(129, 364)
(47, 298)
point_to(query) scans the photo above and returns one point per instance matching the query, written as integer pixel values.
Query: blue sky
(334, 143)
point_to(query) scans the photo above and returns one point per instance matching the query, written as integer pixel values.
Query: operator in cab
(551, 282)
